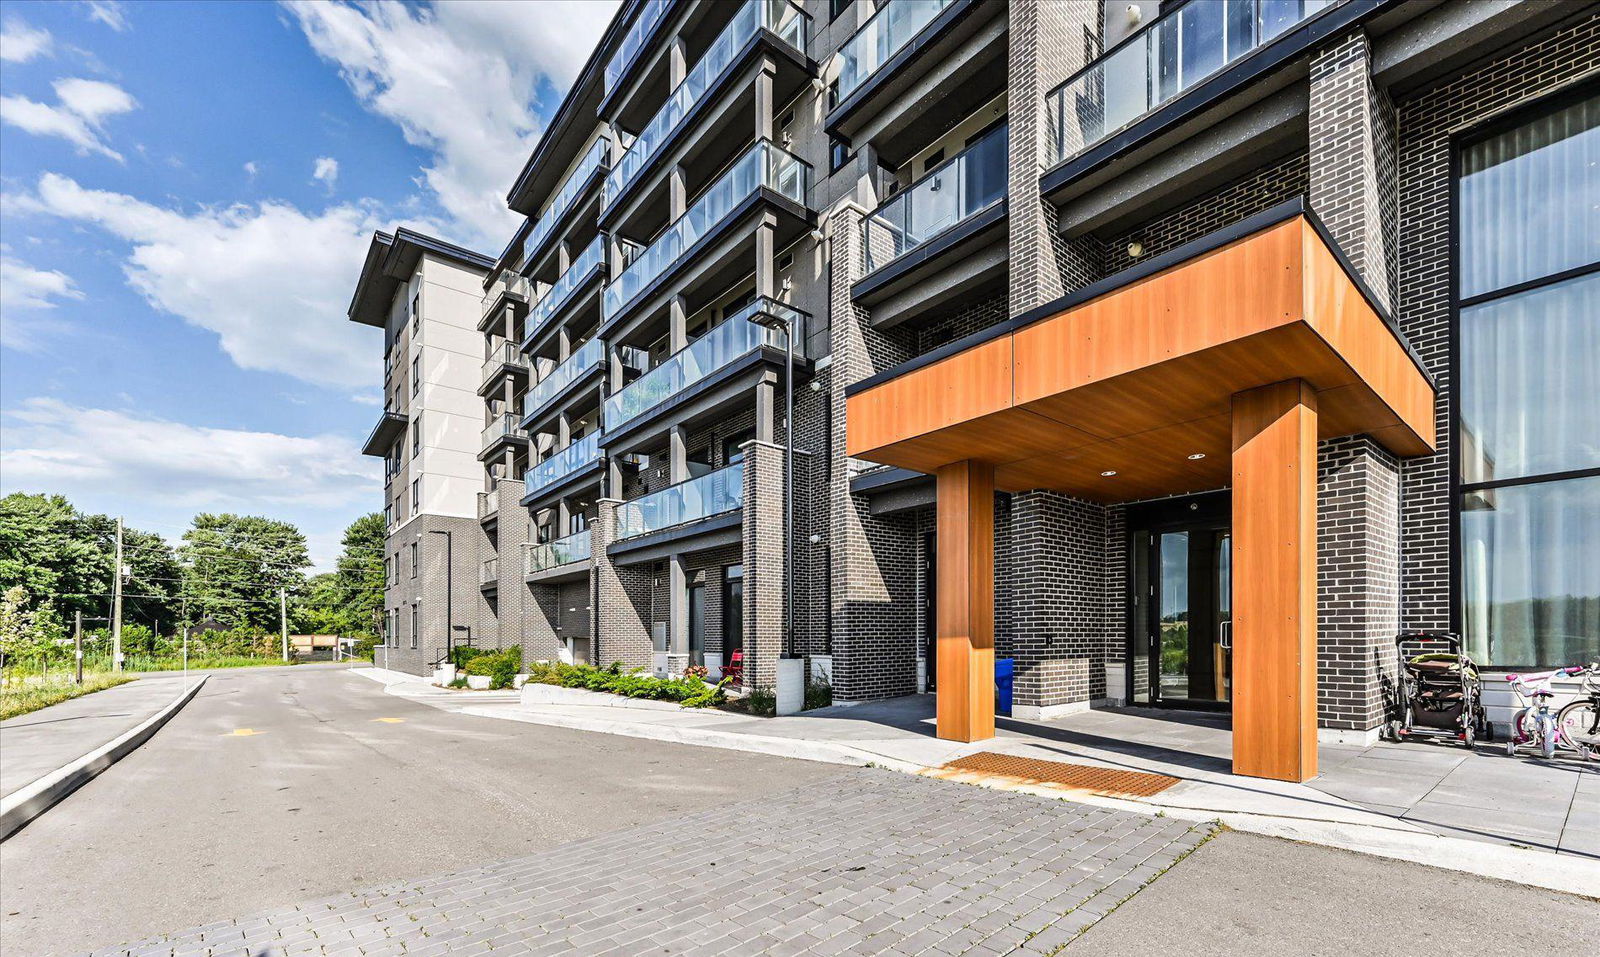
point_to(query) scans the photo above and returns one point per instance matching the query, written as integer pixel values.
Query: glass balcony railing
(765, 165)
(643, 24)
(960, 187)
(503, 425)
(488, 503)
(1172, 54)
(778, 16)
(589, 355)
(579, 454)
(879, 39)
(489, 571)
(710, 494)
(561, 290)
(506, 282)
(734, 337)
(504, 354)
(571, 188)
(537, 557)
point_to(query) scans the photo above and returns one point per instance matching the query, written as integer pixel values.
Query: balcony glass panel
(504, 424)
(562, 551)
(880, 38)
(962, 186)
(506, 282)
(587, 357)
(764, 165)
(561, 290)
(710, 494)
(571, 188)
(1172, 54)
(582, 452)
(503, 354)
(778, 16)
(729, 340)
(631, 44)
(489, 571)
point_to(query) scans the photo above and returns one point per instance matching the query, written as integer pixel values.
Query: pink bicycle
(1534, 724)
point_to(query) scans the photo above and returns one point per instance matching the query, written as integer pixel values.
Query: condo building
(1182, 353)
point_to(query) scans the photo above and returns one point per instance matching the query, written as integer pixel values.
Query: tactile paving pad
(1109, 782)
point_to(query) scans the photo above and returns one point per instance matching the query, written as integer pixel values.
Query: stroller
(1441, 693)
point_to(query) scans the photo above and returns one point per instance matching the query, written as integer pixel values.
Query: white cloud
(108, 12)
(251, 169)
(460, 79)
(326, 172)
(20, 43)
(160, 472)
(270, 280)
(79, 116)
(23, 287)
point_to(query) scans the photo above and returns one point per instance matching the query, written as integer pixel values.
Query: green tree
(234, 566)
(25, 632)
(349, 600)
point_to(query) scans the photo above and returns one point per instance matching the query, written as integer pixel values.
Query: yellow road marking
(242, 733)
(391, 720)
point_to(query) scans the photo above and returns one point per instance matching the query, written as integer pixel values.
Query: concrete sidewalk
(35, 744)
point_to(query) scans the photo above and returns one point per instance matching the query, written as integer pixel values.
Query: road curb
(26, 803)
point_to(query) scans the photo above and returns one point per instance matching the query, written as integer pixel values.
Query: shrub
(461, 654)
(459, 682)
(819, 694)
(762, 701)
(689, 691)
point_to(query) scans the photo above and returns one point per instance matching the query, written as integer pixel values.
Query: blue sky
(186, 192)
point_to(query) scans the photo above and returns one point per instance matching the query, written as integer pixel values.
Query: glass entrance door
(1181, 649)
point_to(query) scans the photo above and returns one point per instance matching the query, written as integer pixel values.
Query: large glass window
(1528, 407)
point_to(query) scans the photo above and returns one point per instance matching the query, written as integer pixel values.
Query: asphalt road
(277, 785)
(1241, 894)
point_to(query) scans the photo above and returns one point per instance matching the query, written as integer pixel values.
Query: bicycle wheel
(1547, 736)
(1577, 721)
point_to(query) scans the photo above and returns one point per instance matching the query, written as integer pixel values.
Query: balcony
(489, 572)
(701, 360)
(488, 505)
(509, 290)
(589, 357)
(943, 236)
(563, 290)
(504, 359)
(574, 186)
(577, 458)
(391, 425)
(765, 167)
(1173, 54)
(714, 493)
(543, 556)
(778, 17)
(499, 432)
(880, 38)
(638, 35)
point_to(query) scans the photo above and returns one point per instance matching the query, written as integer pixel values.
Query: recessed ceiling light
(1197, 456)
(1109, 472)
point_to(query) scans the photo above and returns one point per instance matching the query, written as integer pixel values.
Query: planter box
(539, 694)
(479, 682)
(519, 681)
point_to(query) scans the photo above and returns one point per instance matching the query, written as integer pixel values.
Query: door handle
(1225, 635)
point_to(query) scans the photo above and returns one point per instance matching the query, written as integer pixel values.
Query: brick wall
(764, 612)
(1059, 546)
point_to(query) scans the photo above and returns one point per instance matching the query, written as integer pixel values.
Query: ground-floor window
(1527, 433)
(414, 626)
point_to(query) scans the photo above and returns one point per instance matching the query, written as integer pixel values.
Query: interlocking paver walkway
(870, 862)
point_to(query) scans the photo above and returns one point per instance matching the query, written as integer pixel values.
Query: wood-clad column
(1275, 582)
(965, 612)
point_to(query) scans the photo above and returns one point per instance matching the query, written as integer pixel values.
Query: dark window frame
(1457, 490)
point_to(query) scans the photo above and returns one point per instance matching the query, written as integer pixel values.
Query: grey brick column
(1352, 155)
(873, 574)
(1358, 585)
(763, 562)
(622, 598)
(1058, 622)
(511, 597)
(1049, 41)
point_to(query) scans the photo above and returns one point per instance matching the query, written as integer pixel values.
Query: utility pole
(77, 647)
(283, 621)
(116, 605)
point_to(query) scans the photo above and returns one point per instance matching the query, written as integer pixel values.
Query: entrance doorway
(1180, 636)
(697, 623)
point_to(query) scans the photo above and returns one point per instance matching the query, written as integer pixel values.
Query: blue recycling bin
(1003, 672)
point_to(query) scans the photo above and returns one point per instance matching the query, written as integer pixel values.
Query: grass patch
(20, 697)
(132, 663)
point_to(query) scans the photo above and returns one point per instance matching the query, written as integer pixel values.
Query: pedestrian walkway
(37, 743)
(870, 862)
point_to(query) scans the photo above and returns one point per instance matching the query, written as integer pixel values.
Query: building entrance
(1180, 641)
